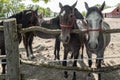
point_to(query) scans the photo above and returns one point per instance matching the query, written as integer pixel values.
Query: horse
(53, 24)
(71, 41)
(96, 40)
(50, 24)
(27, 18)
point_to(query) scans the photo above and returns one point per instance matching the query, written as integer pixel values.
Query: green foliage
(106, 6)
(13, 6)
(46, 1)
(35, 0)
(118, 5)
(83, 13)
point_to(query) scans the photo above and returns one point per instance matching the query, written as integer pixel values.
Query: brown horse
(71, 41)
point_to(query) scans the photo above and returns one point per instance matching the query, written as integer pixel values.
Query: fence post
(12, 50)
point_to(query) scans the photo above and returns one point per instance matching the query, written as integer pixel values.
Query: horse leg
(57, 48)
(30, 40)
(89, 61)
(75, 54)
(3, 61)
(65, 62)
(25, 42)
(25, 45)
(98, 62)
(82, 51)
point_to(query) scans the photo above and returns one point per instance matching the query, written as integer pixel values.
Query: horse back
(106, 36)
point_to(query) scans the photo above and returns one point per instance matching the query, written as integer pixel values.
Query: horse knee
(98, 63)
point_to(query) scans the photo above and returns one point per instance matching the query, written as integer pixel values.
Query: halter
(68, 26)
(89, 30)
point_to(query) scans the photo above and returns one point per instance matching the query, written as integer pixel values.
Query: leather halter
(68, 26)
(89, 30)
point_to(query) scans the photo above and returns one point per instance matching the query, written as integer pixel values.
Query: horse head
(94, 19)
(67, 20)
(30, 18)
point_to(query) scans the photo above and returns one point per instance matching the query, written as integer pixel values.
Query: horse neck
(1, 23)
(18, 17)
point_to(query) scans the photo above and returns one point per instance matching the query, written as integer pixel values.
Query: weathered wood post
(12, 50)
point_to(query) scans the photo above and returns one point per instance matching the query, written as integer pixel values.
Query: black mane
(77, 14)
(18, 17)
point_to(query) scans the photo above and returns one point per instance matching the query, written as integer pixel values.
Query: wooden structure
(113, 12)
(12, 50)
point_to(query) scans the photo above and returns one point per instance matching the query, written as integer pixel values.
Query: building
(113, 12)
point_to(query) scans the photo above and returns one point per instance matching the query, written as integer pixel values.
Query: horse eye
(71, 15)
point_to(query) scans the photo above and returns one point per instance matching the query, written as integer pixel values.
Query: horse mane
(55, 20)
(77, 14)
(18, 17)
(94, 9)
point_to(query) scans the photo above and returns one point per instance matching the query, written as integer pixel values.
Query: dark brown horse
(71, 41)
(27, 18)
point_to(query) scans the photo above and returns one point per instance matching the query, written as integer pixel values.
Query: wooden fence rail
(12, 50)
(57, 31)
(83, 69)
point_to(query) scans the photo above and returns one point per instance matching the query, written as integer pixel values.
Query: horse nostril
(92, 46)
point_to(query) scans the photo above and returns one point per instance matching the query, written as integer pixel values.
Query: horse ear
(60, 5)
(86, 6)
(102, 6)
(73, 6)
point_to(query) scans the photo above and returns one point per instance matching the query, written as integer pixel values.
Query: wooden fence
(12, 50)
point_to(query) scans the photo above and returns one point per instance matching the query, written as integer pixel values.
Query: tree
(83, 13)
(106, 6)
(46, 1)
(9, 7)
(118, 5)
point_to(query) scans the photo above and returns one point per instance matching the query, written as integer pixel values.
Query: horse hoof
(32, 57)
(74, 76)
(65, 74)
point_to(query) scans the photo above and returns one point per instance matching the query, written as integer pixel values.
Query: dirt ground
(43, 51)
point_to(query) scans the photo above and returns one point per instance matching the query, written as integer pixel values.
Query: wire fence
(84, 58)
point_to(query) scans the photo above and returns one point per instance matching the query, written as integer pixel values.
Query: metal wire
(85, 58)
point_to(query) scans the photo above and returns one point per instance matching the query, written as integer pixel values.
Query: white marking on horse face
(63, 13)
(28, 12)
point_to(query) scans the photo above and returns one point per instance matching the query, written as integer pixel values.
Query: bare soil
(43, 51)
